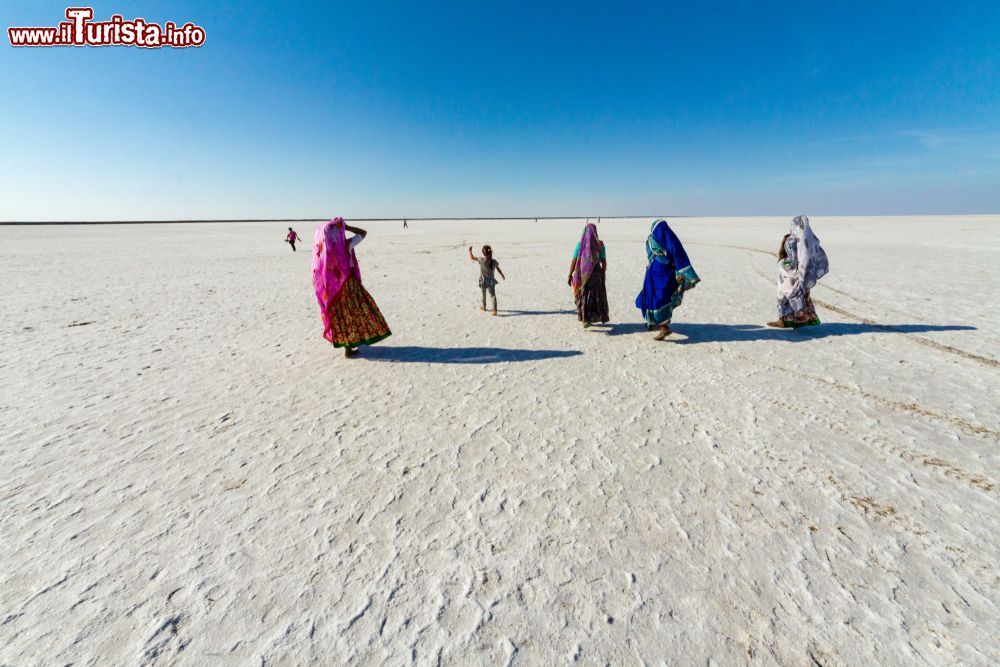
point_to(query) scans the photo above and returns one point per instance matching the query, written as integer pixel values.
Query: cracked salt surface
(195, 477)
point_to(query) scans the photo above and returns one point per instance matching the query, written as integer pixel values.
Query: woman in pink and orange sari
(350, 315)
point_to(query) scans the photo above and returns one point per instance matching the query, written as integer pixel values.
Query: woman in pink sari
(350, 316)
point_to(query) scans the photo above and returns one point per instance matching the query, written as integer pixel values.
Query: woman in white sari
(801, 262)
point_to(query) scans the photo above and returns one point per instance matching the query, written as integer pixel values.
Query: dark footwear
(350, 351)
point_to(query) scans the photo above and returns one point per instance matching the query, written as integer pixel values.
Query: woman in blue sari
(668, 276)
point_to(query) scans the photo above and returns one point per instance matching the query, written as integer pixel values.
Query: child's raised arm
(471, 256)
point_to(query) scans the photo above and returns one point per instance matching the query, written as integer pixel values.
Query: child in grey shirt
(487, 282)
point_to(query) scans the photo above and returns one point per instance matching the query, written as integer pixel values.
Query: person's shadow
(517, 313)
(686, 333)
(728, 333)
(458, 355)
(620, 328)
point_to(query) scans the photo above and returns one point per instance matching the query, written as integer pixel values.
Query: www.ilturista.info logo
(80, 30)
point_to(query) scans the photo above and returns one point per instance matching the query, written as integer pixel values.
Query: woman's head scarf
(806, 258)
(664, 246)
(588, 258)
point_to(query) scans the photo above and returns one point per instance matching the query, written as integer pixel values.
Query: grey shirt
(486, 269)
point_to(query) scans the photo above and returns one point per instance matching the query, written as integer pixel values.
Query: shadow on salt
(459, 355)
(727, 333)
(519, 313)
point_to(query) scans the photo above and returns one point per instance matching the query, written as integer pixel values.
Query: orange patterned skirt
(355, 318)
(806, 317)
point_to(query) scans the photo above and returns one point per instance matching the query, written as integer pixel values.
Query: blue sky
(365, 109)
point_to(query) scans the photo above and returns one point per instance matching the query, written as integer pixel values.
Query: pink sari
(333, 263)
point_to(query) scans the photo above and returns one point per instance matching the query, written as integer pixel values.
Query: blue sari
(668, 276)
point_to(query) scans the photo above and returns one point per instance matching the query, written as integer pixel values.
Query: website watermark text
(79, 29)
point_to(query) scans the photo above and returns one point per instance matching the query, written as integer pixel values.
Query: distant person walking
(405, 226)
(801, 262)
(586, 276)
(350, 315)
(668, 275)
(291, 238)
(487, 281)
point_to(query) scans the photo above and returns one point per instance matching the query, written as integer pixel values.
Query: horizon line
(348, 219)
(452, 218)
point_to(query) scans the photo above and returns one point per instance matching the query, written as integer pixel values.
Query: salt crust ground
(189, 474)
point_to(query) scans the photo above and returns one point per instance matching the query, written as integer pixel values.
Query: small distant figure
(668, 275)
(487, 281)
(405, 226)
(291, 238)
(801, 262)
(587, 278)
(350, 316)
